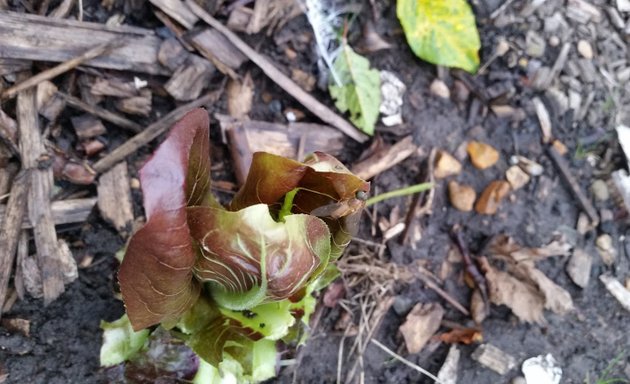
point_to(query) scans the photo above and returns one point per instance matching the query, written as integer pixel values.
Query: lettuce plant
(218, 287)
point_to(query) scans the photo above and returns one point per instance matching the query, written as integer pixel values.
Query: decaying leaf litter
(526, 234)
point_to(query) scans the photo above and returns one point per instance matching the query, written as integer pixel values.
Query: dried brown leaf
(421, 323)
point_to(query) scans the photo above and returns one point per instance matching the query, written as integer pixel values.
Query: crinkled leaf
(441, 32)
(156, 278)
(249, 258)
(360, 89)
(120, 342)
(271, 320)
(326, 188)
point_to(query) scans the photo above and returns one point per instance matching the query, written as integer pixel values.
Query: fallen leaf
(239, 97)
(478, 308)
(446, 165)
(505, 246)
(462, 336)
(360, 89)
(523, 298)
(490, 199)
(421, 323)
(441, 32)
(482, 155)
(461, 196)
(557, 299)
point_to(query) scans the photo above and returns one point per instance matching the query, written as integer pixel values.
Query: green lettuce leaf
(120, 341)
(360, 89)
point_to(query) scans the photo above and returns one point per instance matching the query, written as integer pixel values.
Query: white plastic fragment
(617, 290)
(542, 370)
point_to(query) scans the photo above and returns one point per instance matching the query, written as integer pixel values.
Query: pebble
(623, 75)
(606, 249)
(482, 155)
(585, 49)
(439, 89)
(462, 196)
(579, 267)
(600, 190)
(516, 177)
(446, 165)
(554, 41)
(534, 44)
(491, 197)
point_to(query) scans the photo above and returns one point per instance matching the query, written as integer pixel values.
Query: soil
(63, 345)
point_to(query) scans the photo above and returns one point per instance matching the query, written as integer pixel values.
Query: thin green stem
(287, 204)
(410, 190)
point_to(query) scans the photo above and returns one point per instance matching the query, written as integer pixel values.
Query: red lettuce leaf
(249, 258)
(156, 278)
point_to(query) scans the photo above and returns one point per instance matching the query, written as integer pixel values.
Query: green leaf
(442, 32)
(120, 342)
(360, 90)
(272, 320)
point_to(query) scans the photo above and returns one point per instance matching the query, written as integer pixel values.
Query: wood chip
(449, 369)
(49, 104)
(104, 114)
(385, 159)
(114, 87)
(9, 235)
(494, 358)
(421, 323)
(516, 177)
(114, 198)
(178, 11)
(136, 105)
(292, 141)
(172, 54)
(49, 258)
(87, 126)
(190, 79)
(617, 290)
(218, 49)
(66, 39)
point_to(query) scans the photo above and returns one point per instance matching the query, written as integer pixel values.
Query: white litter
(542, 370)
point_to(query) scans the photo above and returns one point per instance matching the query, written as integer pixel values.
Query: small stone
(623, 5)
(575, 100)
(446, 165)
(623, 75)
(585, 49)
(606, 249)
(502, 47)
(560, 147)
(583, 224)
(554, 41)
(491, 197)
(402, 305)
(439, 89)
(579, 267)
(461, 196)
(134, 183)
(529, 166)
(482, 155)
(518, 380)
(516, 177)
(494, 358)
(534, 44)
(600, 190)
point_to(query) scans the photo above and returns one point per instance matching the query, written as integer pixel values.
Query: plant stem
(410, 190)
(287, 204)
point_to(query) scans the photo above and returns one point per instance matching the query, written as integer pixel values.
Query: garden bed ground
(64, 340)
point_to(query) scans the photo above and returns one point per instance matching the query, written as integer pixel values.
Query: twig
(10, 233)
(410, 190)
(151, 132)
(104, 114)
(385, 159)
(404, 361)
(414, 211)
(471, 267)
(307, 100)
(61, 68)
(63, 211)
(443, 294)
(565, 173)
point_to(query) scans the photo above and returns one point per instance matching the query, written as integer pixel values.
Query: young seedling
(224, 284)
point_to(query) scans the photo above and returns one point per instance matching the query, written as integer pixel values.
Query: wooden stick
(306, 99)
(61, 68)
(151, 132)
(385, 159)
(63, 211)
(39, 213)
(104, 114)
(10, 233)
(565, 172)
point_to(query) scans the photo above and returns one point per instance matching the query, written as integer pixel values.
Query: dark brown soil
(65, 337)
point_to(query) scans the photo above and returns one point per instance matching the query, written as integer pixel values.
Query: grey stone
(600, 190)
(402, 305)
(579, 267)
(588, 73)
(623, 75)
